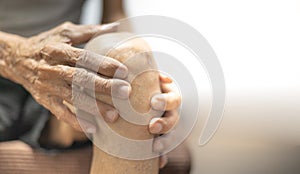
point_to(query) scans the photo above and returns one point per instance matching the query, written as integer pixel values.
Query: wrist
(10, 47)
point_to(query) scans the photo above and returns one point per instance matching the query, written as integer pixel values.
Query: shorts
(21, 117)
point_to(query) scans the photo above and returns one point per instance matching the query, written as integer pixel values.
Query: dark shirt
(21, 117)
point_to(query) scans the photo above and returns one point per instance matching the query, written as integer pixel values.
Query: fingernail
(155, 128)
(124, 91)
(111, 116)
(158, 102)
(113, 25)
(158, 146)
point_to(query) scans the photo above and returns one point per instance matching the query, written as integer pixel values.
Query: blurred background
(258, 45)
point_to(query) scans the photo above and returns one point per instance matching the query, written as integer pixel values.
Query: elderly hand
(46, 66)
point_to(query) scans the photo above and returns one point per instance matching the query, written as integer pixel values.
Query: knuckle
(109, 64)
(46, 49)
(82, 56)
(66, 74)
(49, 51)
(71, 55)
(82, 77)
(105, 85)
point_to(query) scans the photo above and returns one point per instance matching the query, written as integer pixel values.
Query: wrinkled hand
(168, 101)
(46, 66)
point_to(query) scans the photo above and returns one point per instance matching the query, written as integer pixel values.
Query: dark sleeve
(21, 117)
(12, 98)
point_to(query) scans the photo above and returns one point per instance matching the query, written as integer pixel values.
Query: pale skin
(45, 65)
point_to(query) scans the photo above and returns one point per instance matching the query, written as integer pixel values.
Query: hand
(168, 101)
(45, 66)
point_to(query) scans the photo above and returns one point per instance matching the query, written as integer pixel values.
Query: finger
(84, 102)
(163, 160)
(99, 96)
(164, 124)
(164, 79)
(68, 55)
(79, 34)
(85, 119)
(104, 65)
(113, 87)
(85, 79)
(168, 100)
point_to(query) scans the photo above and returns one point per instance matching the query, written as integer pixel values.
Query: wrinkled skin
(136, 54)
(44, 65)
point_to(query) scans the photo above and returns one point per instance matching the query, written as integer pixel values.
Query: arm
(112, 11)
(45, 65)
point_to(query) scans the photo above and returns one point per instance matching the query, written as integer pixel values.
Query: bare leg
(144, 86)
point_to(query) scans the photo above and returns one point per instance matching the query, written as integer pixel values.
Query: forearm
(112, 11)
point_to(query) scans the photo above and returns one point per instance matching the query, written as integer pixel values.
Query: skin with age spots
(44, 65)
(144, 86)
